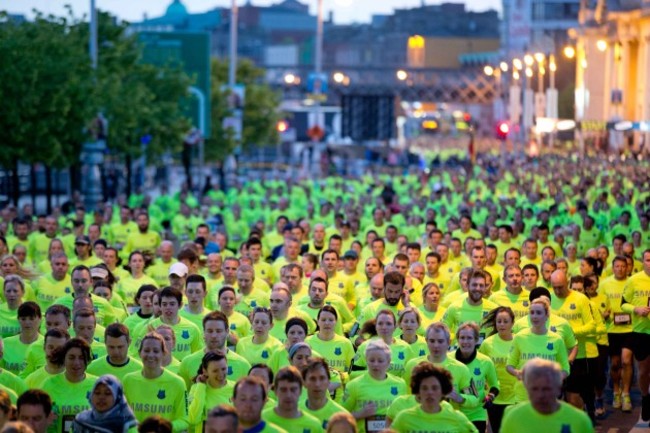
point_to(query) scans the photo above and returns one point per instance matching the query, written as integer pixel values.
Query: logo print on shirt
(549, 346)
(477, 371)
(337, 351)
(67, 289)
(572, 306)
(186, 334)
(253, 303)
(161, 394)
(265, 354)
(393, 390)
(525, 303)
(566, 428)
(233, 326)
(400, 355)
(553, 328)
(229, 370)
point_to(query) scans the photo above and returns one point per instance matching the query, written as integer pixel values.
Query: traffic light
(503, 129)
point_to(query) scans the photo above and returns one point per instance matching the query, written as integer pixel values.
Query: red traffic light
(503, 129)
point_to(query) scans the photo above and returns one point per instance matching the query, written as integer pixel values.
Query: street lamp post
(232, 69)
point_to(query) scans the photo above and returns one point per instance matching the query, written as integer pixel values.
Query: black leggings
(495, 415)
(481, 426)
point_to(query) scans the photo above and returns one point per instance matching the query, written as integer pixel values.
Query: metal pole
(93, 34)
(232, 70)
(318, 55)
(201, 98)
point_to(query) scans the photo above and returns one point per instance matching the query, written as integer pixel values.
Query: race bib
(375, 424)
(68, 420)
(622, 319)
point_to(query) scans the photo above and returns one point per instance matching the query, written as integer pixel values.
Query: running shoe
(626, 405)
(616, 404)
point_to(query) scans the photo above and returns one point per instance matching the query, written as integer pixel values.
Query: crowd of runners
(500, 298)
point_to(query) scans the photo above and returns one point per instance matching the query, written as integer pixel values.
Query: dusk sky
(345, 11)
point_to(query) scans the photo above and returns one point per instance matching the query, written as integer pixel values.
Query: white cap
(179, 269)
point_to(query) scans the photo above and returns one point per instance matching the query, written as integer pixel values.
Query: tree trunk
(128, 175)
(15, 183)
(48, 188)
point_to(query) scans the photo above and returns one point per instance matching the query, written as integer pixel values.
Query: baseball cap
(351, 254)
(85, 240)
(178, 269)
(98, 273)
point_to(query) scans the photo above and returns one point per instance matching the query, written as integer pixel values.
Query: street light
(338, 77)
(402, 75)
(504, 66)
(290, 79)
(601, 45)
(529, 60)
(488, 70)
(569, 52)
(516, 63)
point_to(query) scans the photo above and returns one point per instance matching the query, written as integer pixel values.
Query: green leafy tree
(260, 110)
(46, 92)
(138, 99)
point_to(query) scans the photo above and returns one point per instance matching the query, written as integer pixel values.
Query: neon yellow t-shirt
(484, 377)
(102, 366)
(258, 353)
(202, 398)
(338, 352)
(498, 350)
(565, 419)
(401, 353)
(519, 303)
(365, 389)
(576, 309)
(620, 322)
(306, 423)
(637, 294)
(448, 420)
(48, 290)
(526, 345)
(325, 413)
(237, 366)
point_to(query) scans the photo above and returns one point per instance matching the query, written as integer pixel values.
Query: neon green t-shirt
(306, 423)
(9, 325)
(48, 290)
(484, 377)
(526, 345)
(566, 419)
(15, 354)
(164, 396)
(448, 420)
(365, 389)
(68, 399)
(324, 413)
(401, 353)
(258, 353)
(237, 366)
(102, 366)
(202, 398)
(338, 352)
(498, 350)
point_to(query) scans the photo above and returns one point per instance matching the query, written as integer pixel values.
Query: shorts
(619, 341)
(583, 372)
(640, 345)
